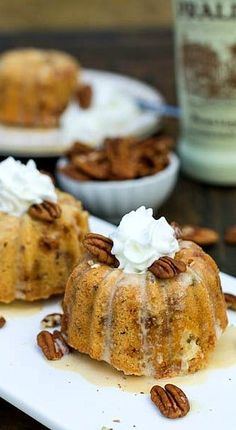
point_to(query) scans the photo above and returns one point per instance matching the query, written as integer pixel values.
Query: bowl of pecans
(120, 175)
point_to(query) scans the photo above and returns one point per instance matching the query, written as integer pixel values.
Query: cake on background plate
(36, 86)
(41, 230)
(145, 301)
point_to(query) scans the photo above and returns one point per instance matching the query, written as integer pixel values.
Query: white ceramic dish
(53, 142)
(64, 400)
(113, 199)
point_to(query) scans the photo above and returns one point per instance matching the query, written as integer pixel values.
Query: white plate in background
(89, 125)
(64, 400)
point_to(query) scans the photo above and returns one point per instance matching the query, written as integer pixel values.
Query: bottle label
(206, 68)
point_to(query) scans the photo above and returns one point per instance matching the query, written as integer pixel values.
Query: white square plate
(63, 399)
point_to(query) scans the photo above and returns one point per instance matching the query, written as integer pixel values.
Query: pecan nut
(46, 211)
(171, 401)
(53, 345)
(100, 246)
(200, 235)
(84, 95)
(2, 321)
(118, 159)
(167, 267)
(230, 300)
(230, 235)
(51, 320)
(94, 165)
(121, 158)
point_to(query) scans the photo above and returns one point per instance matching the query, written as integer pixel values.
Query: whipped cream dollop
(22, 186)
(140, 239)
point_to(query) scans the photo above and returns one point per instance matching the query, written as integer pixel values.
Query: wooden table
(146, 55)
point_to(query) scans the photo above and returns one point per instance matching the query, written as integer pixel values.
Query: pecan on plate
(53, 345)
(84, 95)
(171, 401)
(2, 322)
(167, 267)
(51, 320)
(230, 235)
(230, 300)
(46, 211)
(100, 246)
(200, 235)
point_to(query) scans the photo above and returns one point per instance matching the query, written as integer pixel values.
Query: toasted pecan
(167, 267)
(84, 95)
(121, 157)
(2, 321)
(78, 148)
(95, 165)
(200, 235)
(100, 246)
(171, 401)
(118, 159)
(46, 211)
(230, 300)
(73, 172)
(53, 345)
(230, 235)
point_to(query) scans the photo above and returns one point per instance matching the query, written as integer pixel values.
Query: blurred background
(76, 14)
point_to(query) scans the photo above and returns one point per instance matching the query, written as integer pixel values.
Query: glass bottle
(205, 52)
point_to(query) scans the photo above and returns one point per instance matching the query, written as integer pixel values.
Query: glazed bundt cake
(145, 302)
(40, 233)
(35, 86)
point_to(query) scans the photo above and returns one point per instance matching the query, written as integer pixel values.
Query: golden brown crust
(35, 86)
(37, 257)
(144, 325)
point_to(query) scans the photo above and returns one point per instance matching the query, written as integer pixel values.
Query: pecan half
(95, 165)
(2, 322)
(230, 235)
(167, 267)
(53, 345)
(171, 401)
(84, 95)
(100, 246)
(122, 160)
(46, 211)
(51, 320)
(200, 235)
(230, 300)
(73, 172)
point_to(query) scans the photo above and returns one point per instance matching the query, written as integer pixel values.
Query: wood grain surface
(147, 55)
(67, 14)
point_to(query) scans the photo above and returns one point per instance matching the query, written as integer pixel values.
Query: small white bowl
(113, 199)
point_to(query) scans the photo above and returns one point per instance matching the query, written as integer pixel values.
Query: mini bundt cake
(159, 313)
(40, 233)
(35, 86)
